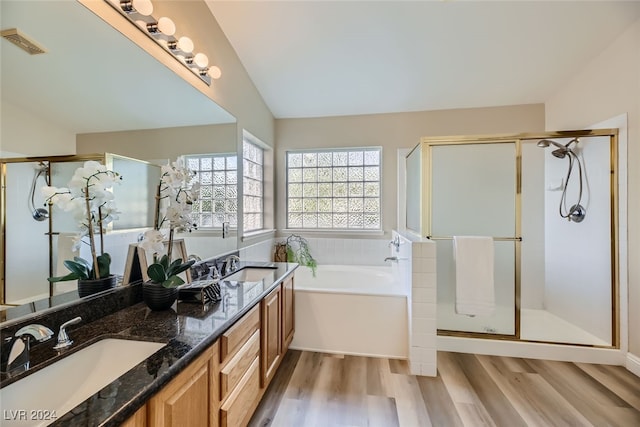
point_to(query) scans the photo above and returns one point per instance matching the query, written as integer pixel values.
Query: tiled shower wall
(417, 266)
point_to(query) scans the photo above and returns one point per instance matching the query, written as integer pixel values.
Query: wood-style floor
(315, 389)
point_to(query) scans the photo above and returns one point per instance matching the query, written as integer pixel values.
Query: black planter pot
(157, 297)
(93, 286)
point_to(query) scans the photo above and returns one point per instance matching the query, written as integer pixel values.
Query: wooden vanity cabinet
(139, 419)
(288, 313)
(240, 370)
(271, 307)
(191, 398)
(224, 385)
(277, 327)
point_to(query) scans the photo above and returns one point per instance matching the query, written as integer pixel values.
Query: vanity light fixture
(162, 31)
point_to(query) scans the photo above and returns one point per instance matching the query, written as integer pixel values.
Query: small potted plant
(88, 197)
(175, 194)
(298, 251)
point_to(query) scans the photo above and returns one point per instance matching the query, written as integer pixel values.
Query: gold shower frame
(426, 143)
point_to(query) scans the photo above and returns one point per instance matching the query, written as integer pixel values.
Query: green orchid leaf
(104, 262)
(157, 273)
(78, 268)
(164, 262)
(174, 265)
(182, 267)
(82, 261)
(172, 282)
(70, 276)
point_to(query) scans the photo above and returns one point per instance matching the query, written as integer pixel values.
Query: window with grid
(218, 199)
(252, 166)
(334, 189)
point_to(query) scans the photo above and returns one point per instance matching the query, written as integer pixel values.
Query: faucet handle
(63, 337)
(214, 273)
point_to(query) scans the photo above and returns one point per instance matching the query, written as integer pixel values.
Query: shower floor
(540, 325)
(535, 325)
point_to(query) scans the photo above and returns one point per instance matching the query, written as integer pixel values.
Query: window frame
(250, 140)
(332, 229)
(200, 199)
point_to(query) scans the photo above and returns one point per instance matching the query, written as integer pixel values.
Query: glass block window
(252, 164)
(334, 189)
(218, 199)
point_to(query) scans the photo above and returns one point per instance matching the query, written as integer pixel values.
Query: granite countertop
(187, 329)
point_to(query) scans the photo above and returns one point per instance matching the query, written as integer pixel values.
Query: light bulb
(214, 72)
(166, 26)
(201, 60)
(143, 7)
(185, 44)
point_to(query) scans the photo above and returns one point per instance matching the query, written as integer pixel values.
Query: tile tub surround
(188, 330)
(417, 266)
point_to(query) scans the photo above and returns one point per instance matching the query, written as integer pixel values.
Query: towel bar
(498, 239)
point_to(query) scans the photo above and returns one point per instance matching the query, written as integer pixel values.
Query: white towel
(473, 256)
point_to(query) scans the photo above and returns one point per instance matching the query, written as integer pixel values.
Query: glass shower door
(473, 193)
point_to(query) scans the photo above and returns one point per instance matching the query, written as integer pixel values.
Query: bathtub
(351, 309)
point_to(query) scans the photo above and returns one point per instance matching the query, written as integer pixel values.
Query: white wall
(23, 134)
(393, 131)
(532, 274)
(606, 87)
(578, 256)
(27, 260)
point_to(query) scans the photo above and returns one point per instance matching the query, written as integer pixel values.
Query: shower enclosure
(37, 238)
(549, 202)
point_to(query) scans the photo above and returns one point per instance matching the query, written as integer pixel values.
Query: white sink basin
(251, 274)
(60, 387)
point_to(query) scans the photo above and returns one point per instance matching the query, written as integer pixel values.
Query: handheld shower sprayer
(576, 212)
(39, 214)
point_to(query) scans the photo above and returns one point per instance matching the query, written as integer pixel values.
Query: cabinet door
(288, 313)
(139, 419)
(191, 398)
(271, 332)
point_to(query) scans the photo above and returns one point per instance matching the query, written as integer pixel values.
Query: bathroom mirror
(95, 91)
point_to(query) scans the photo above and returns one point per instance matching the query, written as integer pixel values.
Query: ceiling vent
(22, 41)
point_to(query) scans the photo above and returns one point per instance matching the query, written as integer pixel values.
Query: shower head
(41, 169)
(561, 151)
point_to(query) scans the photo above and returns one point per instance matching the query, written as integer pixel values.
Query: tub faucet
(18, 355)
(391, 258)
(230, 264)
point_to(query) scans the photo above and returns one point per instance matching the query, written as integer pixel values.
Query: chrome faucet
(230, 264)
(18, 358)
(63, 338)
(395, 242)
(391, 258)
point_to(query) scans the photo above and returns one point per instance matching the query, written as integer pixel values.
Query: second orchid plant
(90, 200)
(175, 193)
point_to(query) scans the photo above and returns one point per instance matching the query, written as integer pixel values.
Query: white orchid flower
(152, 242)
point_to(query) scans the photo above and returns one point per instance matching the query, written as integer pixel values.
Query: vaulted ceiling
(326, 58)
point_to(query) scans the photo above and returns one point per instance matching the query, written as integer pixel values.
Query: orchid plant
(175, 193)
(88, 197)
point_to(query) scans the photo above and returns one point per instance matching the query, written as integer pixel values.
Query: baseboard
(348, 353)
(633, 364)
(530, 350)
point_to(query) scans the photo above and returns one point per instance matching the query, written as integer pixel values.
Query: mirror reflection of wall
(73, 111)
(211, 151)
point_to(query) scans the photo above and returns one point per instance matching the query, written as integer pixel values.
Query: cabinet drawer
(233, 371)
(238, 334)
(239, 407)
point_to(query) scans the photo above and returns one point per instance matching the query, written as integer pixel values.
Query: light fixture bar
(162, 31)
